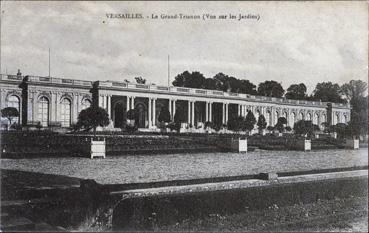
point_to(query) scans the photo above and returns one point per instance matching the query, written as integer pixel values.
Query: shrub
(92, 117)
(9, 113)
(164, 115)
(208, 124)
(250, 121)
(261, 122)
(270, 128)
(237, 124)
(288, 129)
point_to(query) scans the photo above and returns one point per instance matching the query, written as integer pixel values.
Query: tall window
(308, 117)
(43, 111)
(293, 119)
(14, 102)
(65, 112)
(86, 104)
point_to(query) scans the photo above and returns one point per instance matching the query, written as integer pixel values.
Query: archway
(142, 115)
(118, 115)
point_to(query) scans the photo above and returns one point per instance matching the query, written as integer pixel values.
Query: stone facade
(54, 100)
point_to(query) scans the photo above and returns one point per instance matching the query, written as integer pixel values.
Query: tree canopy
(164, 115)
(250, 121)
(9, 113)
(92, 117)
(271, 89)
(261, 122)
(220, 82)
(328, 92)
(296, 91)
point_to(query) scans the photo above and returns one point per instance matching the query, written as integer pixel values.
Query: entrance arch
(119, 112)
(142, 115)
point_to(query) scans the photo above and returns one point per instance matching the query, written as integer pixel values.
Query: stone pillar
(223, 113)
(128, 106)
(189, 112)
(174, 108)
(207, 111)
(154, 112)
(34, 106)
(211, 111)
(150, 113)
(132, 102)
(109, 106)
(239, 110)
(193, 113)
(226, 120)
(170, 107)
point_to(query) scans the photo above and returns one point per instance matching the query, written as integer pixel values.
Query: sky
(291, 42)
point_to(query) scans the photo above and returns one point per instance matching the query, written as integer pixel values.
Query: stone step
(17, 224)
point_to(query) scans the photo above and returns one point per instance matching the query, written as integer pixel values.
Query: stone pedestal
(352, 144)
(239, 145)
(97, 149)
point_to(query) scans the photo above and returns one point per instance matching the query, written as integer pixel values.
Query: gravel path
(146, 168)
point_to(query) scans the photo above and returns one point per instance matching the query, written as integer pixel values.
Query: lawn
(149, 168)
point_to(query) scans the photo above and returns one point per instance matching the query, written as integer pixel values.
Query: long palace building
(49, 99)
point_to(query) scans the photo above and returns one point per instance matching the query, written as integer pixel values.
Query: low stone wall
(147, 213)
(47, 144)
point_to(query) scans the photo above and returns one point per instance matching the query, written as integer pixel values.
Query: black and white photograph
(184, 116)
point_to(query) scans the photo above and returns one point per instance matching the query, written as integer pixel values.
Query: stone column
(132, 102)
(150, 113)
(189, 112)
(154, 112)
(206, 111)
(227, 105)
(109, 106)
(223, 113)
(170, 107)
(34, 106)
(193, 113)
(211, 111)
(128, 106)
(174, 108)
(239, 110)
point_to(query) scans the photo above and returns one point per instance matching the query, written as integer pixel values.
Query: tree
(328, 92)
(280, 124)
(271, 89)
(302, 127)
(92, 117)
(187, 79)
(354, 89)
(250, 121)
(9, 113)
(356, 92)
(261, 122)
(296, 91)
(164, 115)
(140, 80)
(247, 87)
(236, 124)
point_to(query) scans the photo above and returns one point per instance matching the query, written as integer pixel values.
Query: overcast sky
(292, 42)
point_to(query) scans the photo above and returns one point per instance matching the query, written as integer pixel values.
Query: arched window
(308, 117)
(285, 115)
(43, 111)
(65, 112)
(315, 119)
(14, 102)
(293, 119)
(324, 118)
(301, 116)
(336, 118)
(345, 119)
(268, 118)
(257, 114)
(86, 103)
(276, 117)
